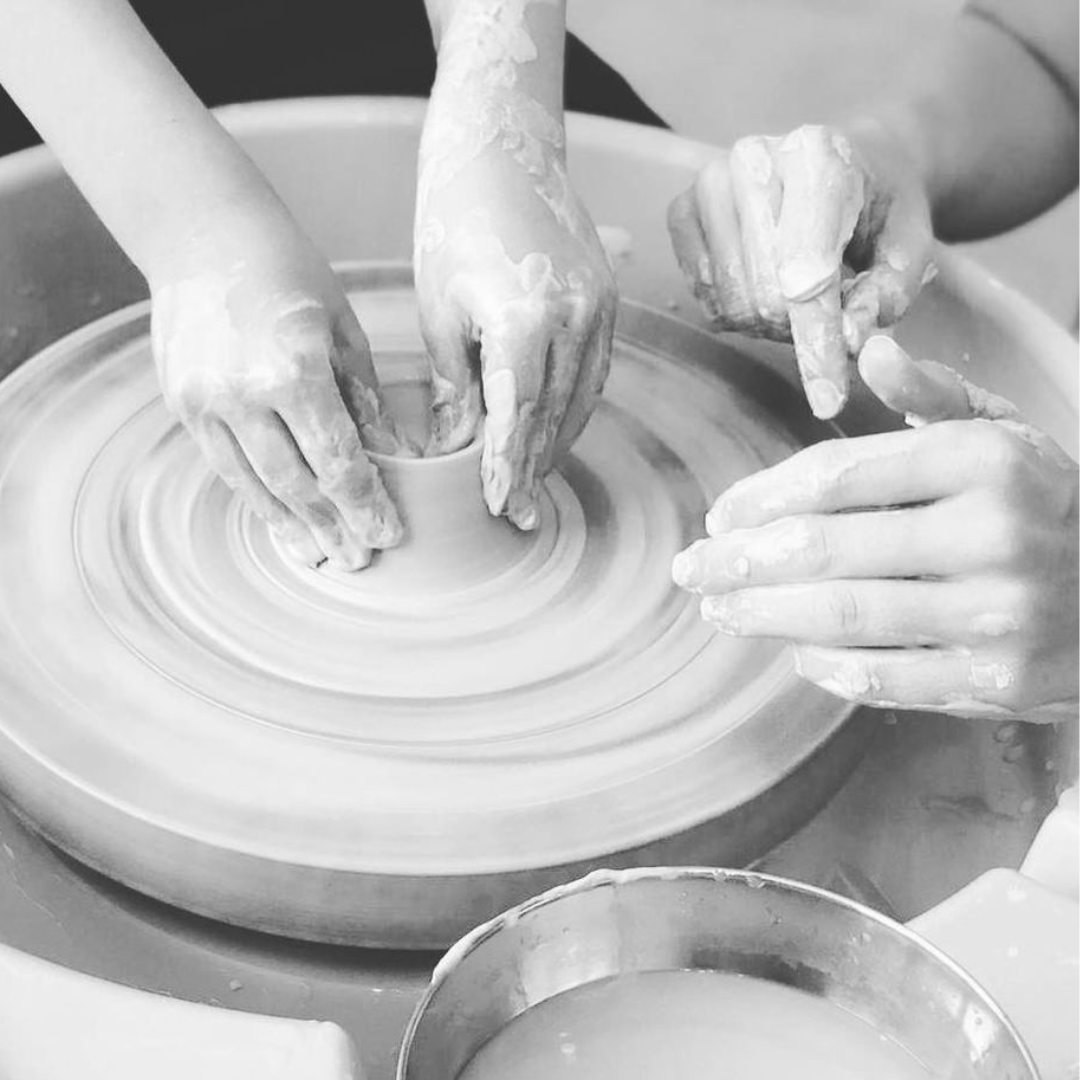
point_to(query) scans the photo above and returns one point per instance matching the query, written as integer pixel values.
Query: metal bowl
(619, 922)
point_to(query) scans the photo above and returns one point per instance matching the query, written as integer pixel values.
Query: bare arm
(991, 125)
(257, 349)
(824, 236)
(144, 151)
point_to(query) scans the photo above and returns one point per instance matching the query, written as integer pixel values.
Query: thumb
(925, 391)
(902, 264)
(455, 382)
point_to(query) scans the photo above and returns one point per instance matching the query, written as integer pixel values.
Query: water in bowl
(702, 1024)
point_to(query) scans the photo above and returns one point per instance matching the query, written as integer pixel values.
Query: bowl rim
(751, 879)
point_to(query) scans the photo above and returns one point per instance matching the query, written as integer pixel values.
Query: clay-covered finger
(846, 612)
(592, 374)
(563, 362)
(901, 263)
(692, 251)
(327, 438)
(909, 542)
(894, 468)
(457, 404)
(513, 372)
(224, 456)
(822, 200)
(758, 193)
(280, 465)
(924, 390)
(731, 290)
(335, 344)
(949, 681)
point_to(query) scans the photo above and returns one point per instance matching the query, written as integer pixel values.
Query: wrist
(239, 224)
(907, 137)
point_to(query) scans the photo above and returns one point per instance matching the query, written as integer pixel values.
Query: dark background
(246, 50)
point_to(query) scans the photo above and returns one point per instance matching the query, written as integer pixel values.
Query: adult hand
(934, 568)
(814, 237)
(517, 304)
(264, 362)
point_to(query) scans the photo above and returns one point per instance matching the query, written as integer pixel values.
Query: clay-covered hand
(933, 568)
(261, 357)
(517, 304)
(817, 237)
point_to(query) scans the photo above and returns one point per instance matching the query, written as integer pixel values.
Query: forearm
(497, 92)
(144, 151)
(499, 48)
(989, 129)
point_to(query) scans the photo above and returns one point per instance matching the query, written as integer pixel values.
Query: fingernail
(718, 519)
(380, 527)
(304, 551)
(497, 485)
(298, 542)
(880, 347)
(523, 511)
(718, 611)
(686, 570)
(351, 561)
(825, 400)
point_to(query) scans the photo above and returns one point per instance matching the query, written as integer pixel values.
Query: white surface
(1054, 858)
(58, 1024)
(1020, 941)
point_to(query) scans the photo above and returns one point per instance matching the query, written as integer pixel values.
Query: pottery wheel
(388, 756)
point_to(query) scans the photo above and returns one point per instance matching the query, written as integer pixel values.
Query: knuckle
(286, 478)
(828, 466)
(331, 535)
(681, 209)
(746, 147)
(813, 545)
(843, 609)
(322, 517)
(1001, 680)
(773, 312)
(186, 398)
(344, 481)
(1027, 608)
(1000, 455)
(1004, 532)
(712, 178)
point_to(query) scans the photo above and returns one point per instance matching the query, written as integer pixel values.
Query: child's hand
(261, 357)
(926, 569)
(517, 302)
(806, 238)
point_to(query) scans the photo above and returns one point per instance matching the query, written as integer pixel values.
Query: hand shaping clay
(392, 755)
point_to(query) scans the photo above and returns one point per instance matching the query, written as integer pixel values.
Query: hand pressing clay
(263, 360)
(927, 569)
(517, 296)
(258, 352)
